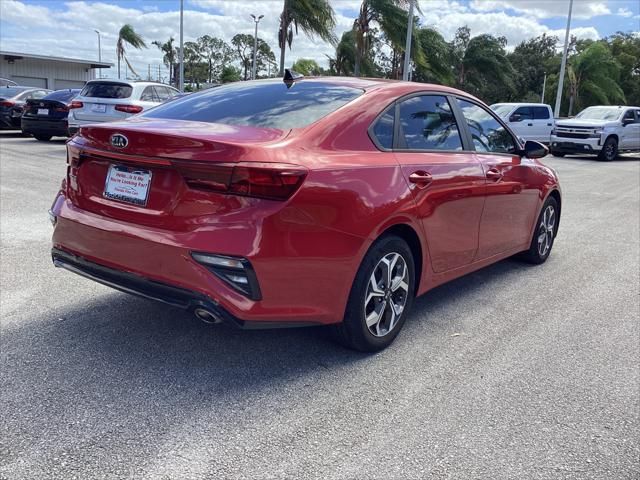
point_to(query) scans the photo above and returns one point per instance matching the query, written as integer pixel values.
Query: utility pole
(407, 49)
(556, 111)
(159, 73)
(255, 45)
(99, 46)
(181, 58)
(544, 85)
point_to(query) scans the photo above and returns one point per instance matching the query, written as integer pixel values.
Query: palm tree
(391, 15)
(593, 76)
(313, 17)
(128, 35)
(169, 57)
(436, 66)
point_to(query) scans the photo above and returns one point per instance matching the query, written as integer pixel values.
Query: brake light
(129, 108)
(61, 109)
(75, 104)
(274, 181)
(7, 104)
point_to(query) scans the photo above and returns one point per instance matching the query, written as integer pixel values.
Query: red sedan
(326, 201)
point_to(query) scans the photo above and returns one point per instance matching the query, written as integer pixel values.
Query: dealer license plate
(99, 108)
(43, 111)
(127, 184)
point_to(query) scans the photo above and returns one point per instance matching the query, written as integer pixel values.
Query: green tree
(195, 69)
(593, 78)
(307, 67)
(531, 59)
(169, 55)
(243, 44)
(127, 35)
(436, 67)
(481, 65)
(216, 52)
(229, 74)
(313, 17)
(625, 49)
(390, 15)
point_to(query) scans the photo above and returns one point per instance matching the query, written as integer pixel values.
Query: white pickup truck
(529, 121)
(603, 130)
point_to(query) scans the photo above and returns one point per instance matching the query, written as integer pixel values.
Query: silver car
(109, 100)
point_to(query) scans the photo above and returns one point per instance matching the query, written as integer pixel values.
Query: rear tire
(42, 138)
(380, 298)
(544, 233)
(609, 150)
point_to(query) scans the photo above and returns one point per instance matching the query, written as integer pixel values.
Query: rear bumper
(45, 127)
(564, 145)
(151, 289)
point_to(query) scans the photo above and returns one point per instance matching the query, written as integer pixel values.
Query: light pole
(255, 45)
(99, 47)
(556, 111)
(181, 53)
(544, 85)
(407, 49)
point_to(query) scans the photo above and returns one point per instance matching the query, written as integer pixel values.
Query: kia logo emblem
(118, 140)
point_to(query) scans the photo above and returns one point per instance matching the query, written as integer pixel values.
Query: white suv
(529, 121)
(601, 130)
(108, 100)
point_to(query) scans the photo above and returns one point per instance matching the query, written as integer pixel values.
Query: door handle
(494, 174)
(421, 178)
(530, 124)
(549, 124)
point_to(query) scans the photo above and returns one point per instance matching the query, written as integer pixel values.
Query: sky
(66, 28)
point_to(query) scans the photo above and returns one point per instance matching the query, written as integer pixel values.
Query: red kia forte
(317, 201)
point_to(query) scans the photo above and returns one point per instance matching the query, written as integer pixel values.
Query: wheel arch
(555, 194)
(409, 235)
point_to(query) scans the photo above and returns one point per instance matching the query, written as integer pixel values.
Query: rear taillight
(75, 104)
(61, 109)
(7, 104)
(129, 108)
(273, 181)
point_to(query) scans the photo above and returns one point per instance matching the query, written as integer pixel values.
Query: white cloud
(582, 9)
(624, 12)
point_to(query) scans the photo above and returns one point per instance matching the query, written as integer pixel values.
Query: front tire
(380, 298)
(609, 150)
(544, 233)
(42, 138)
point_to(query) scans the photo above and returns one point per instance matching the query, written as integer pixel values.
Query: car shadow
(593, 158)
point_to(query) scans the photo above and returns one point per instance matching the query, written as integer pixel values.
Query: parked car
(530, 121)
(47, 117)
(600, 130)
(12, 99)
(304, 202)
(5, 82)
(110, 100)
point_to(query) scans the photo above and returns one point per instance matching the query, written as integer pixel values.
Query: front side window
(523, 113)
(487, 133)
(427, 123)
(271, 104)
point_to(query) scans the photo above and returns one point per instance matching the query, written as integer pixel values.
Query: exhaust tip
(206, 316)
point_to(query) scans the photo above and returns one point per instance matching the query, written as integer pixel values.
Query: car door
(542, 124)
(446, 180)
(630, 131)
(512, 192)
(521, 122)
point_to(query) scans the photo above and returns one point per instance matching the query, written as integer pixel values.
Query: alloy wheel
(546, 230)
(386, 294)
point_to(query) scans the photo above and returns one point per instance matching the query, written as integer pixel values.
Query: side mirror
(533, 149)
(516, 117)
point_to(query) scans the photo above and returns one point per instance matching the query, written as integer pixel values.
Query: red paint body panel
(306, 250)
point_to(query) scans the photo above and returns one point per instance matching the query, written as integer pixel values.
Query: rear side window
(427, 123)
(149, 95)
(383, 129)
(162, 93)
(106, 90)
(541, 113)
(487, 133)
(62, 95)
(263, 104)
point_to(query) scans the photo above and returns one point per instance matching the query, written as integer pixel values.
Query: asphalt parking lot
(513, 372)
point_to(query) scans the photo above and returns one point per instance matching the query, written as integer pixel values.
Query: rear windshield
(261, 104)
(8, 92)
(62, 95)
(106, 90)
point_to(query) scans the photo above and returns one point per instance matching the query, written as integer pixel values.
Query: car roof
(523, 104)
(132, 83)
